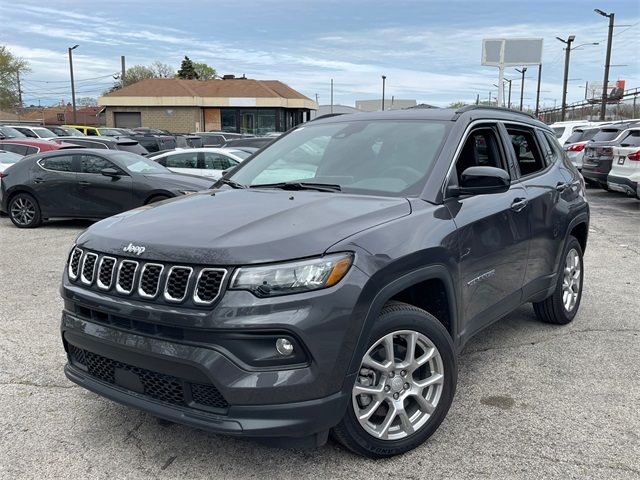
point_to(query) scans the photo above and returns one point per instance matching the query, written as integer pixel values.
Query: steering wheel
(403, 172)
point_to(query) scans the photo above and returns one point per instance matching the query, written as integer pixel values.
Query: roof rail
(467, 108)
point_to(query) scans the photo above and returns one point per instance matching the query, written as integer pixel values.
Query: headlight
(293, 277)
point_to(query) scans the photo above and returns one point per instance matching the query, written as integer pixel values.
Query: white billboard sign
(511, 52)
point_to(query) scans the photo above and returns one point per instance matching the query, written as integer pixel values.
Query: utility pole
(607, 64)
(317, 98)
(332, 95)
(567, 54)
(478, 99)
(523, 71)
(384, 78)
(19, 90)
(73, 87)
(538, 90)
(123, 70)
(509, 100)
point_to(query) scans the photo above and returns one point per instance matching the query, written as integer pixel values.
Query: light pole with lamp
(607, 63)
(523, 71)
(384, 78)
(73, 87)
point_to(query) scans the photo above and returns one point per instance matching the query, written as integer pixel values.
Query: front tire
(24, 211)
(561, 307)
(405, 384)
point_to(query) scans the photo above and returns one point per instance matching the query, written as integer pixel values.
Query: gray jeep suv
(328, 283)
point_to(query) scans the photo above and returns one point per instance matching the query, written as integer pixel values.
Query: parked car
(563, 130)
(625, 171)
(216, 139)
(204, 162)
(188, 141)
(34, 132)
(598, 154)
(29, 146)
(87, 183)
(7, 159)
(86, 130)
(65, 131)
(334, 298)
(576, 143)
(255, 142)
(8, 132)
(155, 142)
(109, 143)
(151, 131)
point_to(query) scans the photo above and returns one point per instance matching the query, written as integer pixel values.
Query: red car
(28, 146)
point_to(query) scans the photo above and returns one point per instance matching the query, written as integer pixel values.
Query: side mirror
(483, 180)
(110, 172)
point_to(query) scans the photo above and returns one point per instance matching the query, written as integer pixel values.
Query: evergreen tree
(187, 70)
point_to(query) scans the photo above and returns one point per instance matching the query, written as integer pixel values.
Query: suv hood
(239, 227)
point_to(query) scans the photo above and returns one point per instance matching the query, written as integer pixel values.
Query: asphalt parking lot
(533, 400)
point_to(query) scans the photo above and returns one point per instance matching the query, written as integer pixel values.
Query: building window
(229, 120)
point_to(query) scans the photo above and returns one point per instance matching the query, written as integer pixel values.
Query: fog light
(284, 347)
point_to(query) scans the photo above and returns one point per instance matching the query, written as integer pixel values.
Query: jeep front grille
(172, 284)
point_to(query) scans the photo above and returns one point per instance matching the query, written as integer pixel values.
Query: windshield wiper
(231, 183)
(320, 187)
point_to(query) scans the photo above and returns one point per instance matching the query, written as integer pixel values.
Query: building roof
(228, 92)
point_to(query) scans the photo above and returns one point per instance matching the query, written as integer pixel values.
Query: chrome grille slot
(126, 276)
(208, 285)
(150, 280)
(105, 273)
(88, 268)
(74, 263)
(175, 289)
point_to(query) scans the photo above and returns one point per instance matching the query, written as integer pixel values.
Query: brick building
(233, 104)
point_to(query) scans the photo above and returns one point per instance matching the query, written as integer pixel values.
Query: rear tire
(24, 211)
(413, 392)
(561, 307)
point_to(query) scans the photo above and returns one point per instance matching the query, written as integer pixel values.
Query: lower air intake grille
(160, 387)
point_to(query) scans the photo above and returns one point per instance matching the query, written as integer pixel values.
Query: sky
(428, 50)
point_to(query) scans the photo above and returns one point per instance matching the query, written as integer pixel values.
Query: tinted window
(9, 132)
(32, 150)
(481, 149)
(93, 164)
(44, 133)
(59, 164)
(216, 161)
(576, 136)
(133, 148)
(183, 160)
(92, 131)
(381, 157)
(606, 134)
(15, 148)
(633, 139)
(26, 132)
(528, 155)
(214, 140)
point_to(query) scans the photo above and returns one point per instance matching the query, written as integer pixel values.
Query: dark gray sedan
(87, 183)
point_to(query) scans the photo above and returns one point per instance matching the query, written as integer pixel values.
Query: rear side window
(631, 140)
(58, 164)
(11, 147)
(554, 150)
(576, 136)
(27, 132)
(32, 150)
(528, 155)
(183, 160)
(215, 161)
(92, 132)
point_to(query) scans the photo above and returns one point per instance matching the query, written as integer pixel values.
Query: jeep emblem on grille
(137, 249)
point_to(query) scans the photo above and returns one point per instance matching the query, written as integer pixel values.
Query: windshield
(138, 164)
(383, 157)
(606, 135)
(44, 132)
(9, 132)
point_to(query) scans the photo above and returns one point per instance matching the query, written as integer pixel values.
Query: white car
(563, 130)
(7, 159)
(204, 162)
(625, 169)
(577, 141)
(34, 132)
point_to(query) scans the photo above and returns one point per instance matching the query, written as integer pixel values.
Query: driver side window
(481, 149)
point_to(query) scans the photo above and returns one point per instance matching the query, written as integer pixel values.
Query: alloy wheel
(399, 385)
(571, 280)
(23, 211)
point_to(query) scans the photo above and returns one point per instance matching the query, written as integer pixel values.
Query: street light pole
(523, 71)
(603, 108)
(509, 95)
(73, 87)
(384, 78)
(567, 53)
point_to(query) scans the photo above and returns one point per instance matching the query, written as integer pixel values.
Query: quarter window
(93, 164)
(183, 160)
(632, 140)
(528, 156)
(58, 164)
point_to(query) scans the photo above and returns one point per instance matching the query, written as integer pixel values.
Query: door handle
(38, 180)
(561, 187)
(519, 204)
(83, 183)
